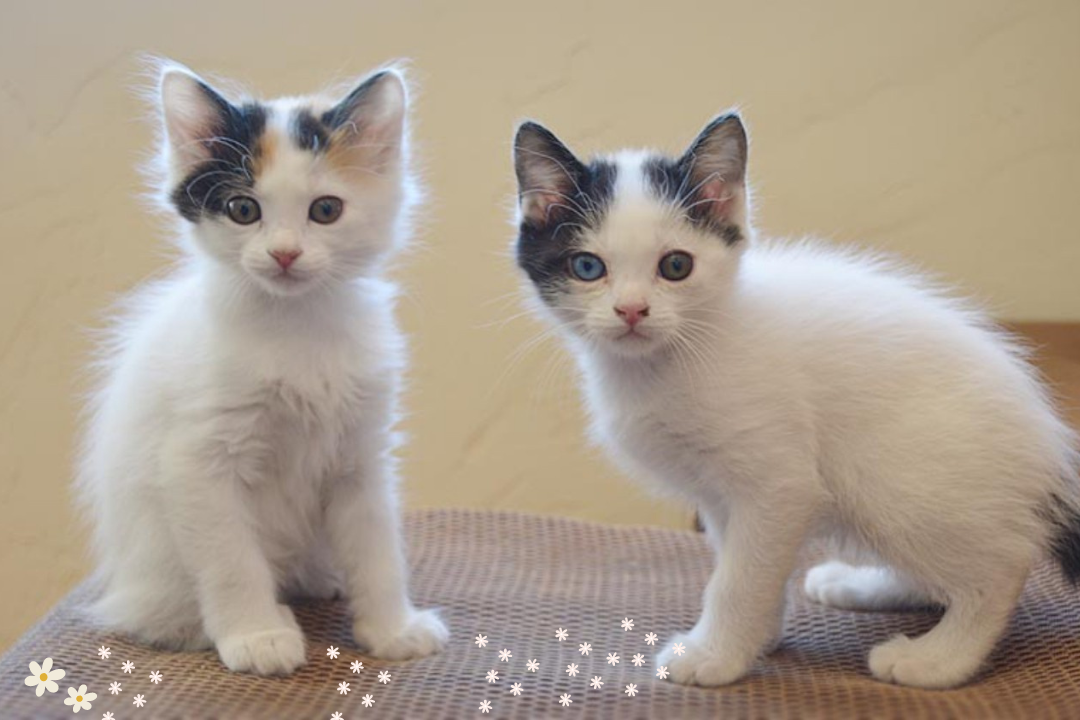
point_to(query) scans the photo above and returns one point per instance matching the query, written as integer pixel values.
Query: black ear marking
(548, 173)
(709, 179)
(352, 104)
(309, 132)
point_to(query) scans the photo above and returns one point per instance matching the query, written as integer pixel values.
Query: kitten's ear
(193, 113)
(547, 172)
(371, 118)
(715, 169)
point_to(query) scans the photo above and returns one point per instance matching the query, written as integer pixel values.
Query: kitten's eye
(586, 266)
(325, 210)
(676, 265)
(243, 210)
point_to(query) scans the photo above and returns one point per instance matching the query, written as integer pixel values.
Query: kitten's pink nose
(632, 313)
(285, 258)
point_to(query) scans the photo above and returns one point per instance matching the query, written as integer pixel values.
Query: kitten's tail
(1065, 540)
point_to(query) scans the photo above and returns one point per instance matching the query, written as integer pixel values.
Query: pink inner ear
(537, 204)
(715, 196)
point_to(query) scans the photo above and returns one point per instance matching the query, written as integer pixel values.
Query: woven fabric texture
(516, 579)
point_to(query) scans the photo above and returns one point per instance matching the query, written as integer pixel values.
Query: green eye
(243, 210)
(587, 267)
(325, 210)
(676, 265)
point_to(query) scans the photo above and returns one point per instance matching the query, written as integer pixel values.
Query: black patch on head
(672, 180)
(232, 144)
(309, 132)
(544, 246)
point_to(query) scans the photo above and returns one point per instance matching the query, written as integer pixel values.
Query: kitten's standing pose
(240, 448)
(793, 391)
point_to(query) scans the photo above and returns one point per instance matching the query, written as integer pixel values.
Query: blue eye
(587, 267)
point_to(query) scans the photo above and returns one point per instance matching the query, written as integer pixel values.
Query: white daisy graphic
(128, 666)
(114, 688)
(504, 655)
(44, 677)
(651, 639)
(612, 659)
(627, 624)
(332, 652)
(368, 701)
(515, 689)
(356, 666)
(661, 672)
(561, 634)
(532, 666)
(596, 683)
(481, 640)
(139, 701)
(631, 689)
(343, 688)
(485, 707)
(565, 700)
(108, 716)
(104, 652)
(638, 660)
(679, 648)
(584, 648)
(336, 716)
(79, 699)
(384, 677)
(155, 677)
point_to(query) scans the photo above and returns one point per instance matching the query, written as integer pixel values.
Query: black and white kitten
(792, 391)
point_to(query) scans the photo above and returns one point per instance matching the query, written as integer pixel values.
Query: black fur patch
(233, 147)
(671, 180)
(346, 110)
(544, 247)
(1065, 542)
(309, 132)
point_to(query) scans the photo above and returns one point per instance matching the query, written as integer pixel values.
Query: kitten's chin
(285, 285)
(632, 344)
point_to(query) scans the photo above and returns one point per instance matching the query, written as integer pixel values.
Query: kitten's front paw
(697, 664)
(274, 651)
(422, 634)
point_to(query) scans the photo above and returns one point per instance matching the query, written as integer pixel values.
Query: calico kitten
(240, 447)
(796, 391)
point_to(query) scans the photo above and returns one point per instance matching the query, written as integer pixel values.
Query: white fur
(240, 448)
(793, 391)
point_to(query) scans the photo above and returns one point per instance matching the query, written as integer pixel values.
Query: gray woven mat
(516, 579)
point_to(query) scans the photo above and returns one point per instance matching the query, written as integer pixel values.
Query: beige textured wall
(944, 130)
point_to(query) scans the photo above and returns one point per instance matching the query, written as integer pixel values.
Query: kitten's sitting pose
(240, 449)
(791, 392)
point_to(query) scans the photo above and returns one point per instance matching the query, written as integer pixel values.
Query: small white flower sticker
(384, 677)
(504, 655)
(332, 652)
(661, 672)
(79, 699)
(44, 677)
(127, 667)
(679, 648)
(336, 716)
(627, 624)
(638, 660)
(584, 648)
(650, 639)
(139, 701)
(155, 677)
(104, 652)
(108, 716)
(485, 707)
(631, 689)
(356, 666)
(515, 689)
(561, 634)
(367, 701)
(532, 665)
(115, 688)
(481, 640)
(343, 688)
(596, 683)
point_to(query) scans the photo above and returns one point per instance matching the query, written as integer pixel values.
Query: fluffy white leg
(848, 587)
(236, 588)
(362, 521)
(744, 600)
(952, 652)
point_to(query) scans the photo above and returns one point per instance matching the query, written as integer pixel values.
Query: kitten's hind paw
(422, 634)
(276, 651)
(697, 664)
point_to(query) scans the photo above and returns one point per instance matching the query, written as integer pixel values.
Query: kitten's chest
(665, 429)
